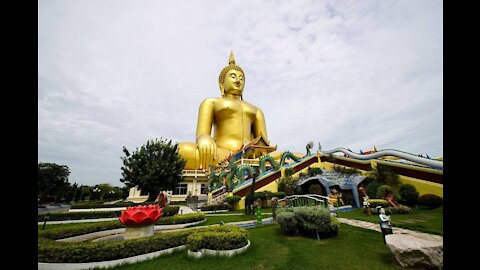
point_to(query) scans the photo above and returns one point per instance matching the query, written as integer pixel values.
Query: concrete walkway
(396, 230)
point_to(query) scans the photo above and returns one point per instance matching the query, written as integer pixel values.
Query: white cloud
(345, 73)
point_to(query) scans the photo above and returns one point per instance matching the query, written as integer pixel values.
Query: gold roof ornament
(231, 60)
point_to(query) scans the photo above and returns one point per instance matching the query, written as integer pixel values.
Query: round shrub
(409, 194)
(214, 207)
(313, 219)
(218, 238)
(430, 201)
(287, 222)
(308, 220)
(383, 189)
(232, 200)
(372, 188)
(279, 195)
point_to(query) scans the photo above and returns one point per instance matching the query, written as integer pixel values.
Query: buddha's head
(231, 79)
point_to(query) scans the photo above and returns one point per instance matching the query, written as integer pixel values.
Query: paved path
(396, 230)
(185, 210)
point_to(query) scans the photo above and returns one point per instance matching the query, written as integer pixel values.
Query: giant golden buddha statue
(235, 122)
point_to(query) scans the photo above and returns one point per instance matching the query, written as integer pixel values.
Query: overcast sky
(351, 74)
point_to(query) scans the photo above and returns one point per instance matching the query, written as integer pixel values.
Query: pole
(252, 192)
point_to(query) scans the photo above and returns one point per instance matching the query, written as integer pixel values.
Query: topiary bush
(307, 220)
(372, 188)
(313, 219)
(279, 195)
(232, 200)
(409, 194)
(383, 189)
(287, 222)
(218, 238)
(430, 201)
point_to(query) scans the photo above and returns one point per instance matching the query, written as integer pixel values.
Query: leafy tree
(77, 194)
(71, 193)
(384, 175)
(289, 172)
(153, 167)
(84, 192)
(52, 180)
(409, 194)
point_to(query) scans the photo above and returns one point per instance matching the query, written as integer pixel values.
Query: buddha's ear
(222, 90)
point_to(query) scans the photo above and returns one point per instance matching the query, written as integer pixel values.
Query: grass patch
(352, 249)
(66, 225)
(265, 211)
(218, 219)
(423, 220)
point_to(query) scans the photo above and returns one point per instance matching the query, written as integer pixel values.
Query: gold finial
(231, 65)
(231, 60)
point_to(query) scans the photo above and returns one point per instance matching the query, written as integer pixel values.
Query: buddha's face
(234, 82)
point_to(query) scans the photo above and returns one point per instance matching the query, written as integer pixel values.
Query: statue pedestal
(139, 231)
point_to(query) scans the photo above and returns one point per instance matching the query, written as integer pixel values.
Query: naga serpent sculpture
(390, 152)
(235, 175)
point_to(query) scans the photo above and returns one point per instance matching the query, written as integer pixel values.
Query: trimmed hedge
(232, 200)
(79, 252)
(214, 207)
(409, 194)
(430, 201)
(101, 205)
(181, 219)
(78, 215)
(218, 238)
(167, 211)
(59, 233)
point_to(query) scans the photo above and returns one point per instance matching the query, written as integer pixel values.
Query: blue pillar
(355, 196)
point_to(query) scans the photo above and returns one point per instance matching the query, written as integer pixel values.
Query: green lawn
(65, 225)
(352, 249)
(218, 219)
(265, 211)
(429, 221)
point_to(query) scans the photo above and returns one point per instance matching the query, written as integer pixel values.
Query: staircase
(219, 197)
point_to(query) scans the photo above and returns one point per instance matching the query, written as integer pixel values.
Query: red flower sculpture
(140, 215)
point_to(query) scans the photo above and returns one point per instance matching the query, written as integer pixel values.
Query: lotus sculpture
(140, 220)
(140, 215)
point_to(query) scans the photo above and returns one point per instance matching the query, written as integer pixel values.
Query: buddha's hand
(207, 149)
